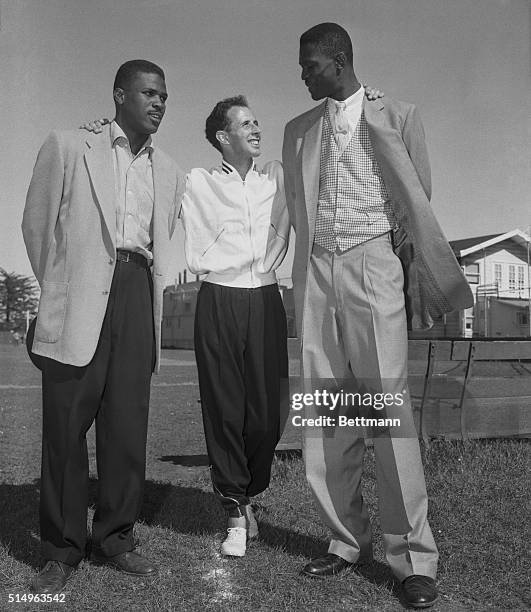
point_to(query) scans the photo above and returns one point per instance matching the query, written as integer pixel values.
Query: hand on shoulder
(95, 125)
(272, 168)
(371, 93)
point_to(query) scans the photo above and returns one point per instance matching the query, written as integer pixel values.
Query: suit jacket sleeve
(288, 162)
(415, 141)
(175, 212)
(43, 202)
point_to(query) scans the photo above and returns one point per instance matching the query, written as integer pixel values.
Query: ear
(340, 60)
(118, 95)
(222, 137)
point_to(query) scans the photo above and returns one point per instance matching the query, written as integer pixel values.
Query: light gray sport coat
(69, 227)
(433, 280)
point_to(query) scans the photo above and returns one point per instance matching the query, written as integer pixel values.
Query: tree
(18, 295)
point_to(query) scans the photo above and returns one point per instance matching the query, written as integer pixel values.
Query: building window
(512, 277)
(472, 273)
(521, 271)
(522, 318)
(498, 275)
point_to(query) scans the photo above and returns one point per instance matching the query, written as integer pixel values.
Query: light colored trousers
(355, 330)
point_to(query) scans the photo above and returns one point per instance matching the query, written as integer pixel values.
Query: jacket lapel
(100, 168)
(311, 152)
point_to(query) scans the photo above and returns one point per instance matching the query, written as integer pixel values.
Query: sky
(466, 64)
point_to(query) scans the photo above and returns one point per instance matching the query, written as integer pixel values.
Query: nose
(257, 129)
(304, 74)
(159, 103)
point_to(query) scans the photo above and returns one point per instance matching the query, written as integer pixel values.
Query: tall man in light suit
(357, 184)
(100, 211)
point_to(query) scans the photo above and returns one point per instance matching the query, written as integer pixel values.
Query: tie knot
(341, 106)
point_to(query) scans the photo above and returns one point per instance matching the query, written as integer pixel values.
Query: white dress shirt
(134, 193)
(236, 231)
(351, 109)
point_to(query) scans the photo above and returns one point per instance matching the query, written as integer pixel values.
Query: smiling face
(243, 134)
(319, 72)
(141, 104)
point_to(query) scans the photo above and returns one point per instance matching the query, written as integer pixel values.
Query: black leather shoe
(52, 578)
(329, 565)
(419, 591)
(128, 562)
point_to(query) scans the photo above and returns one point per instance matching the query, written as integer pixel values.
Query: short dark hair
(330, 38)
(218, 120)
(128, 71)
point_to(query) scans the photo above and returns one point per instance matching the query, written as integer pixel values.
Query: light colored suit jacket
(69, 228)
(433, 281)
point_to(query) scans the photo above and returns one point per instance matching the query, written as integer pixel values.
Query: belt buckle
(127, 256)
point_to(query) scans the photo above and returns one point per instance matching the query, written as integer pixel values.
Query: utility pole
(528, 232)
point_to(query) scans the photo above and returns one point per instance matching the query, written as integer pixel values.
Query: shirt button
(105, 293)
(111, 261)
(129, 192)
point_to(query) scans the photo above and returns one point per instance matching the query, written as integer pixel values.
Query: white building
(498, 270)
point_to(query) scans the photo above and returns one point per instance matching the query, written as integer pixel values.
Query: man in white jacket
(237, 227)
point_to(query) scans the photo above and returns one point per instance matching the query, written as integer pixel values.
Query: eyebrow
(153, 90)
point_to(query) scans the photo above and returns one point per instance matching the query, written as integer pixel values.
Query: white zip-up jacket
(236, 231)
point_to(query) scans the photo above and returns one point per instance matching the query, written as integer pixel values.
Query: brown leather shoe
(329, 565)
(419, 591)
(129, 562)
(52, 578)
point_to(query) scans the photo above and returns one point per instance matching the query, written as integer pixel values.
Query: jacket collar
(229, 170)
(100, 167)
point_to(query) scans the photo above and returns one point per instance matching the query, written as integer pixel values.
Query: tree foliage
(18, 296)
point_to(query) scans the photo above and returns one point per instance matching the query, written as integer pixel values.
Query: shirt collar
(351, 101)
(230, 170)
(117, 134)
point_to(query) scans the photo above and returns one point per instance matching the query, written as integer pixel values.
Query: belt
(127, 256)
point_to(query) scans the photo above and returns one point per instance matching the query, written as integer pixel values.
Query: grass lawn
(479, 512)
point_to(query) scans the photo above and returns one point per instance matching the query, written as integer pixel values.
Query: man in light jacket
(99, 215)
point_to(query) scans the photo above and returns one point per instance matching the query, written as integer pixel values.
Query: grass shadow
(183, 509)
(186, 460)
(19, 527)
(203, 460)
(311, 547)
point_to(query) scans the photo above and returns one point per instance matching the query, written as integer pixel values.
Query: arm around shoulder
(288, 162)
(175, 213)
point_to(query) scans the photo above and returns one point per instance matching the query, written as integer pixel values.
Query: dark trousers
(112, 389)
(241, 350)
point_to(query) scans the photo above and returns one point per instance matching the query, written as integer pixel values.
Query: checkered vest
(353, 204)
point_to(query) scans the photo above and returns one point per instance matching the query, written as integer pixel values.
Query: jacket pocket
(205, 251)
(52, 310)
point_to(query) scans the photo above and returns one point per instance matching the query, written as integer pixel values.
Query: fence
(459, 388)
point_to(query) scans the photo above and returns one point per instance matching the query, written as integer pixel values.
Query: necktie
(342, 131)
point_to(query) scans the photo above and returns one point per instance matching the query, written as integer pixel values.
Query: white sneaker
(234, 544)
(252, 525)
